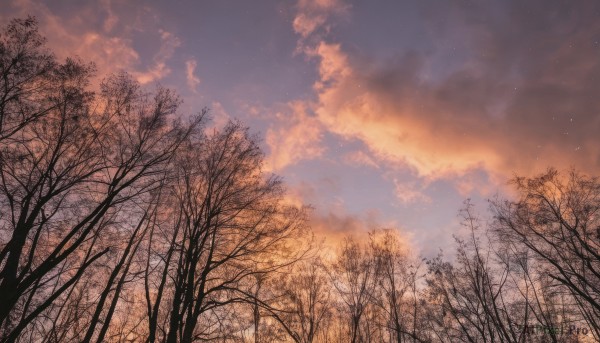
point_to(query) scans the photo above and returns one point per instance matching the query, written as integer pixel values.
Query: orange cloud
(312, 19)
(219, 116)
(295, 136)
(313, 14)
(350, 106)
(168, 44)
(479, 116)
(360, 158)
(305, 25)
(408, 192)
(108, 49)
(334, 226)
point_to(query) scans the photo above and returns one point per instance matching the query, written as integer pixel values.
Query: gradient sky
(377, 113)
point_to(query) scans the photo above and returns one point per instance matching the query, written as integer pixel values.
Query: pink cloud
(409, 192)
(360, 158)
(110, 49)
(473, 119)
(168, 44)
(295, 136)
(190, 73)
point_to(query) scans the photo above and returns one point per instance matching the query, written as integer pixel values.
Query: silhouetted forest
(123, 220)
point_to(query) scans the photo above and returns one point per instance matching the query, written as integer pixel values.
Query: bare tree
(354, 278)
(26, 76)
(122, 221)
(228, 226)
(306, 302)
(70, 161)
(472, 294)
(556, 219)
(398, 287)
(494, 292)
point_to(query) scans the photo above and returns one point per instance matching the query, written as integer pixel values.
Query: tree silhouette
(123, 220)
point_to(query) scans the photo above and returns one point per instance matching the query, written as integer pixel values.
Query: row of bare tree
(121, 220)
(528, 274)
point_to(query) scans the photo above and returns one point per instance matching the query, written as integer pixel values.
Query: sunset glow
(307, 171)
(383, 114)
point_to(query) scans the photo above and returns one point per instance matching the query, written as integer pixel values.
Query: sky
(378, 114)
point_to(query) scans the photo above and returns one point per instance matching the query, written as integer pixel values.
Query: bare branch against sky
(303, 171)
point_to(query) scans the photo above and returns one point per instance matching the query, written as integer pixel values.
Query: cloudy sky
(376, 113)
